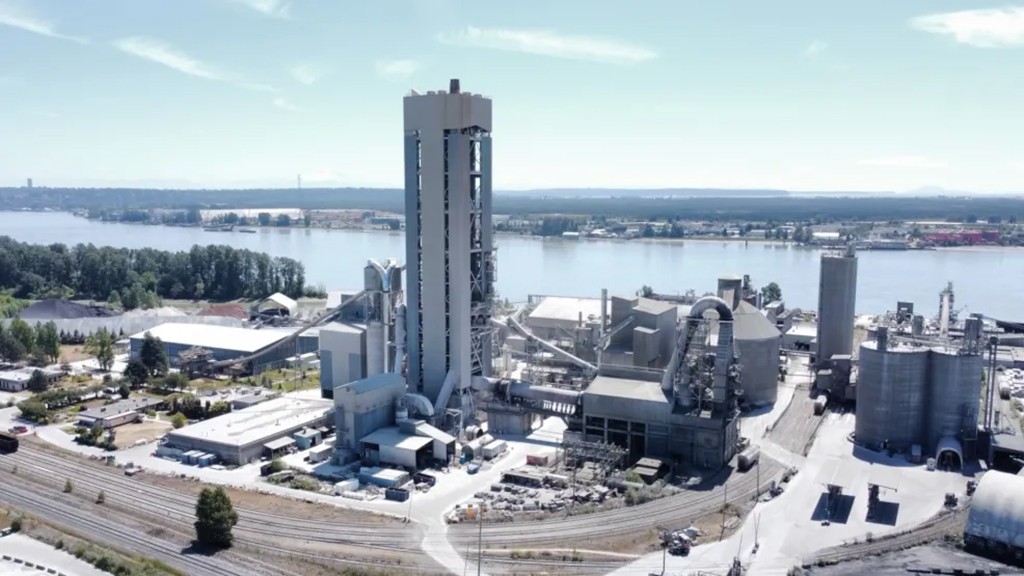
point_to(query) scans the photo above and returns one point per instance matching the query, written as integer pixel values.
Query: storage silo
(837, 299)
(892, 394)
(757, 344)
(954, 395)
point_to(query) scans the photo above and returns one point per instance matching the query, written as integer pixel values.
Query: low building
(364, 406)
(246, 435)
(117, 414)
(307, 438)
(252, 399)
(557, 314)
(224, 343)
(17, 380)
(277, 304)
(412, 444)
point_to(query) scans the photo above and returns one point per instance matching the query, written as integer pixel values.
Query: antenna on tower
(298, 181)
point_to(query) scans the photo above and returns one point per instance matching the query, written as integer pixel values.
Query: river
(988, 280)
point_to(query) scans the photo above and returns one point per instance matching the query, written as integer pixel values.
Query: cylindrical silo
(757, 344)
(955, 394)
(837, 300)
(892, 395)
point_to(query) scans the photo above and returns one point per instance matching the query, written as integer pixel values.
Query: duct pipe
(399, 339)
(549, 346)
(521, 389)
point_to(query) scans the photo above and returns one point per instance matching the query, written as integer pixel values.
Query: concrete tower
(449, 244)
(837, 299)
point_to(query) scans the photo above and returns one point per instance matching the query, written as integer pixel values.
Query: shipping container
(748, 458)
(350, 485)
(537, 459)
(493, 449)
(396, 494)
(8, 442)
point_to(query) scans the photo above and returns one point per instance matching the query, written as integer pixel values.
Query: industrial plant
(423, 367)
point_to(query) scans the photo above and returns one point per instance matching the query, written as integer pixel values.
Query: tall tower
(449, 244)
(837, 300)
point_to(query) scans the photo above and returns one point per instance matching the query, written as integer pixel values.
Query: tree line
(133, 278)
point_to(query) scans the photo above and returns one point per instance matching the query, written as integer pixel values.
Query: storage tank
(757, 343)
(954, 394)
(996, 517)
(837, 299)
(892, 395)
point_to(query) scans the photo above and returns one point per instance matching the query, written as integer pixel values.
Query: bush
(101, 497)
(16, 523)
(68, 487)
(178, 420)
(277, 465)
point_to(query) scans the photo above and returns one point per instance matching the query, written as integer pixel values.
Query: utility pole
(757, 494)
(480, 542)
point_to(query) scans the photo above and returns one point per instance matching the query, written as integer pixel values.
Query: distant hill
(640, 193)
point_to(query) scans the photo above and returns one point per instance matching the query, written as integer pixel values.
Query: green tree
(264, 218)
(101, 497)
(646, 291)
(23, 333)
(11, 349)
(178, 420)
(215, 517)
(283, 220)
(124, 391)
(34, 410)
(48, 341)
(68, 486)
(37, 382)
(114, 299)
(153, 356)
(136, 372)
(101, 345)
(771, 293)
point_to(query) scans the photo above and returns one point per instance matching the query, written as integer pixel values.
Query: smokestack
(453, 86)
(604, 309)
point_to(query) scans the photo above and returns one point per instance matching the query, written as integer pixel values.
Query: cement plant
(700, 429)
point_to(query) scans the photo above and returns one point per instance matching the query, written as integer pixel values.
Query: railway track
(179, 507)
(81, 521)
(935, 528)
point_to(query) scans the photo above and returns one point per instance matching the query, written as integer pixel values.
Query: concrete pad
(42, 556)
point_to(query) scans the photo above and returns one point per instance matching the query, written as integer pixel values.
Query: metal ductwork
(525, 333)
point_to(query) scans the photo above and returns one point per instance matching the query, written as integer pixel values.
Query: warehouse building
(117, 414)
(249, 434)
(365, 405)
(225, 343)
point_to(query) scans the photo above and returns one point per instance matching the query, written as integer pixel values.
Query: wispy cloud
(396, 69)
(903, 162)
(306, 73)
(550, 43)
(273, 8)
(15, 17)
(166, 55)
(815, 48)
(285, 105)
(987, 28)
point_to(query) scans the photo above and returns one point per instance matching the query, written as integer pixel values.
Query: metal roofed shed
(278, 304)
(838, 474)
(239, 436)
(224, 343)
(996, 517)
(884, 476)
(385, 477)
(390, 446)
(274, 447)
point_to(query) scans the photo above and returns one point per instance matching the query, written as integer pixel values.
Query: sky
(868, 95)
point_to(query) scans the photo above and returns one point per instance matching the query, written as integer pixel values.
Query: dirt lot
(125, 436)
(73, 353)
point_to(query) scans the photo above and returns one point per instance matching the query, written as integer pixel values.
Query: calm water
(989, 280)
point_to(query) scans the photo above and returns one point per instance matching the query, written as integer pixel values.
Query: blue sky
(797, 94)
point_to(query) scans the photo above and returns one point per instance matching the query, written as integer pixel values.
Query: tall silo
(892, 394)
(837, 300)
(757, 345)
(954, 395)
